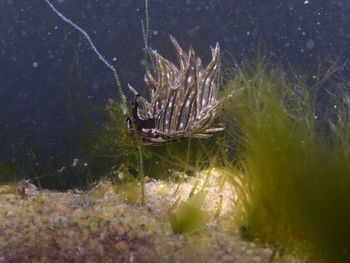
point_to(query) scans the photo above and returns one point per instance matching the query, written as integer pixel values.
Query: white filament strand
(100, 56)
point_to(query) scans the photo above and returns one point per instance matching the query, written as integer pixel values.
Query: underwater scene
(175, 131)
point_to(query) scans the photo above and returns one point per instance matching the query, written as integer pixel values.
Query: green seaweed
(9, 172)
(291, 139)
(188, 217)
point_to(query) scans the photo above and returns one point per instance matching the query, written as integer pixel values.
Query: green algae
(291, 136)
(189, 216)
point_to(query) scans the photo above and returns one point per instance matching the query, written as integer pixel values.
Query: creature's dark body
(183, 101)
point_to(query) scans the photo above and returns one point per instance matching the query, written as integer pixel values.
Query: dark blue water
(40, 121)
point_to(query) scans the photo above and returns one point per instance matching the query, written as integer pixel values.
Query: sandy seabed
(106, 225)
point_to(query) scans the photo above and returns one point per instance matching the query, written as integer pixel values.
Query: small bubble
(114, 59)
(310, 44)
(35, 64)
(306, 2)
(155, 32)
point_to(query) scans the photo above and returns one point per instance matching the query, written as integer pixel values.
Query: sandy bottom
(108, 224)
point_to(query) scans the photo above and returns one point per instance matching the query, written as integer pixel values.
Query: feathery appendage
(184, 101)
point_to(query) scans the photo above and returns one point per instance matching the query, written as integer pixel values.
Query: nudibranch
(184, 101)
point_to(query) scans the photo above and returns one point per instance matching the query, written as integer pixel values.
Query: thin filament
(99, 55)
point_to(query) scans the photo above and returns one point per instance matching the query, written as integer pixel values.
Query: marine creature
(183, 102)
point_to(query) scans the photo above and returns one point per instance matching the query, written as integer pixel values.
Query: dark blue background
(37, 50)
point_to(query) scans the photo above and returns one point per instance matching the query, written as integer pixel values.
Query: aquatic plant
(293, 151)
(188, 216)
(9, 172)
